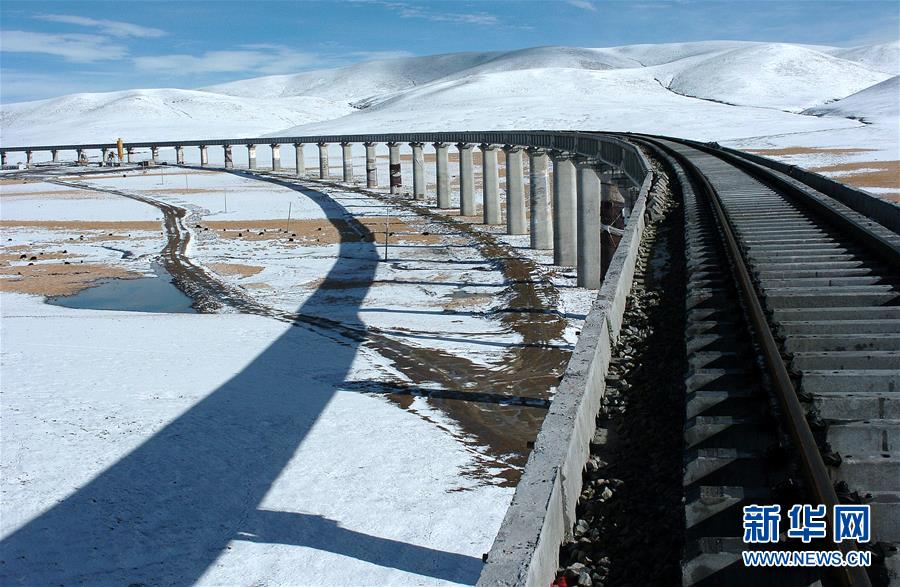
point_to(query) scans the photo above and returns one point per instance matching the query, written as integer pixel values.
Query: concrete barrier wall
(542, 513)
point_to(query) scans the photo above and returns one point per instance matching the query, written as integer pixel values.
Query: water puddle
(145, 294)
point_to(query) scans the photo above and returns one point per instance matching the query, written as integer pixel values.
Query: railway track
(793, 380)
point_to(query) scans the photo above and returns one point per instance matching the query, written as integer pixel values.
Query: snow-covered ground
(130, 458)
(232, 448)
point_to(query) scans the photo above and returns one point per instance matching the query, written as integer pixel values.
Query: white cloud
(77, 48)
(583, 4)
(260, 58)
(411, 11)
(114, 28)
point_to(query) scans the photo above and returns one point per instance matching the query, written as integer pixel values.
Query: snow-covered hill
(786, 77)
(884, 57)
(710, 90)
(155, 115)
(876, 102)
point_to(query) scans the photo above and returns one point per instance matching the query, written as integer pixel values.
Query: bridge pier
(442, 175)
(418, 167)
(347, 154)
(466, 180)
(251, 156)
(539, 195)
(28, 158)
(276, 156)
(79, 154)
(154, 154)
(588, 229)
(324, 172)
(103, 153)
(179, 155)
(565, 200)
(299, 161)
(611, 207)
(229, 160)
(55, 155)
(371, 166)
(129, 155)
(490, 186)
(204, 156)
(394, 166)
(515, 192)
(3, 158)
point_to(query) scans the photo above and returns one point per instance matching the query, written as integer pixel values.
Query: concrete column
(3, 159)
(276, 156)
(28, 158)
(299, 161)
(442, 174)
(204, 156)
(179, 155)
(347, 153)
(490, 186)
(154, 154)
(466, 180)
(565, 200)
(103, 152)
(588, 214)
(129, 155)
(251, 156)
(418, 167)
(394, 166)
(324, 172)
(55, 155)
(611, 205)
(229, 160)
(79, 154)
(515, 192)
(371, 166)
(539, 196)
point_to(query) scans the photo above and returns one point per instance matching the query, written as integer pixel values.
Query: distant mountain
(711, 89)
(884, 57)
(144, 115)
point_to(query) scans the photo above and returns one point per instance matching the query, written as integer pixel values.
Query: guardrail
(607, 149)
(542, 512)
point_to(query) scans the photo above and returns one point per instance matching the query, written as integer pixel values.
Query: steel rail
(816, 474)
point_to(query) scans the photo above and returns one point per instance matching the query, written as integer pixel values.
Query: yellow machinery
(120, 147)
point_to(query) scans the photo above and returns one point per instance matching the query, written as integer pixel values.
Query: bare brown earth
(807, 151)
(323, 231)
(863, 174)
(57, 279)
(118, 175)
(116, 226)
(54, 271)
(880, 174)
(235, 269)
(54, 194)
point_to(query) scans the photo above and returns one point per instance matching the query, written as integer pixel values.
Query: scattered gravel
(630, 522)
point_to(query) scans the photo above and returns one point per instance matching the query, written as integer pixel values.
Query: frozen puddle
(145, 294)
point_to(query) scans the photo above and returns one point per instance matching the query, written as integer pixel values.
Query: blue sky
(54, 47)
